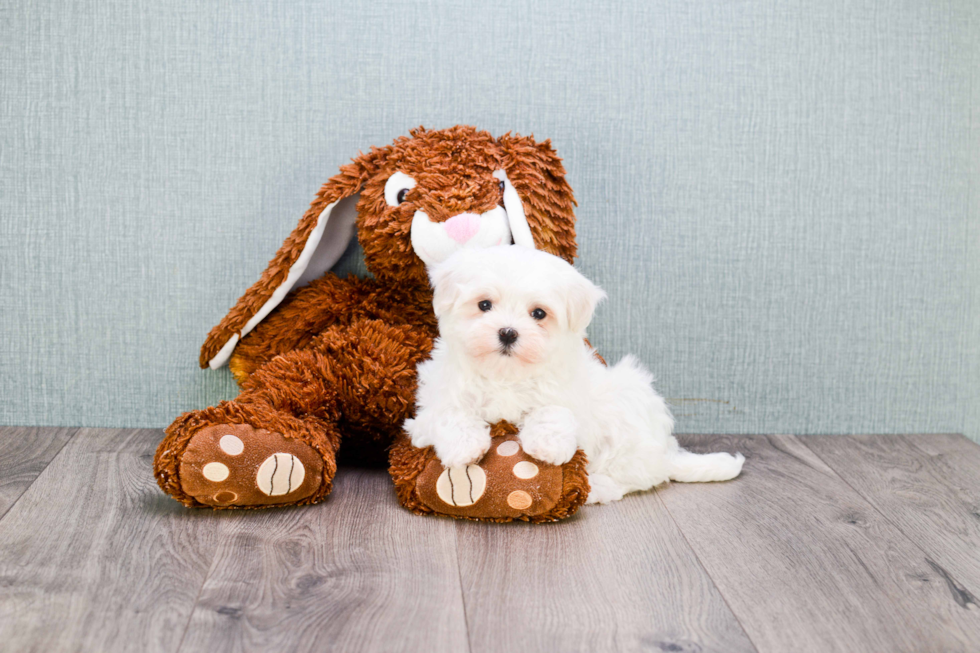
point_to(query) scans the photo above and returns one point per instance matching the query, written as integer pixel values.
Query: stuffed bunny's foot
(237, 465)
(505, 484)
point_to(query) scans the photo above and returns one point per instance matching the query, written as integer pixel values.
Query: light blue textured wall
(781, 197)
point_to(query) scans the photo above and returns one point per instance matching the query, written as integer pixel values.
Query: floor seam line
(462, 594)
(219, 540)
(875, 507)
(200, 591)
(707, 573)
(31, 484)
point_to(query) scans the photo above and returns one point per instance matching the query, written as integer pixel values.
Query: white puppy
(512, 326)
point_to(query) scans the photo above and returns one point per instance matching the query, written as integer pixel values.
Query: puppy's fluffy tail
(688, 467)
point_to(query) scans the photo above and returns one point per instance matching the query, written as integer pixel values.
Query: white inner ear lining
(519, 229)
(295, 272)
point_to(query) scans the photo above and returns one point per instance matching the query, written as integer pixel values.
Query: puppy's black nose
(508, 336)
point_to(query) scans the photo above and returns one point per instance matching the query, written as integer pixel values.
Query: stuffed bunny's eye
(485, 305)
(397, 187)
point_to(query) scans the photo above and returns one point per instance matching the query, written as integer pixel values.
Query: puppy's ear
(539, 201)
(447, 280)
(310, 250)
(581, 298)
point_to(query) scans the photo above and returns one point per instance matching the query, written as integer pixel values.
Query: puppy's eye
(400, 197)
(538, 314)
(485, 305)
(502, 186)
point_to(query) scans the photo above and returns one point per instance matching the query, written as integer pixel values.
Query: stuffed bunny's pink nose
(462, 227)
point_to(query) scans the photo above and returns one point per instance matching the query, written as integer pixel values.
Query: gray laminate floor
(863, 543)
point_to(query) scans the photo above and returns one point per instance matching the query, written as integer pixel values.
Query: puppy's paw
(458, 439)
(603, 489)
(550, 434)
(462, 448)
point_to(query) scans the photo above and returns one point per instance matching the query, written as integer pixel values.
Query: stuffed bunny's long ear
(539, 202)
(310, 250)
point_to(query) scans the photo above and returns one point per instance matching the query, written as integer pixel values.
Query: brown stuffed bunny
(324, 361)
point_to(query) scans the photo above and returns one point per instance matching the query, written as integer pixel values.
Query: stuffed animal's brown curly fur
(332, 363)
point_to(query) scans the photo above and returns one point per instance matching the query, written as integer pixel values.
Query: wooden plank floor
(857, 543)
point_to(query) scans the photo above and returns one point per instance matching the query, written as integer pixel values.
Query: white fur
(549, 382)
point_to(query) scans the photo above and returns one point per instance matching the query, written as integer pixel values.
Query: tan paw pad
(215, 472)
(519, 500)
(525, 469)
(231, 445)
(280, 474)
(461, 486)
(225, 497)
(508, 448)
